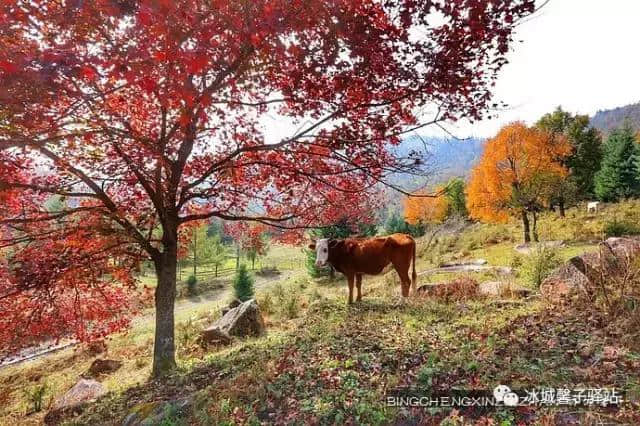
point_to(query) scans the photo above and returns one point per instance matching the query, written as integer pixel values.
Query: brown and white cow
(355, 257)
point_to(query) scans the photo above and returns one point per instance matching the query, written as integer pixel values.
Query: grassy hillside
(325, 362)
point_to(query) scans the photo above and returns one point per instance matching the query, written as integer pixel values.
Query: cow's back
(371, 256)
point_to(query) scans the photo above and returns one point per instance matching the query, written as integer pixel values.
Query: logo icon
(503, 394)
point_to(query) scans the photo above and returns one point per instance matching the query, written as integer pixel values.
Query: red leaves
(8, 67)
(148, 84)
(88, 72)
(196, 63)
(160, 55)
(55, 288)
(168, 120)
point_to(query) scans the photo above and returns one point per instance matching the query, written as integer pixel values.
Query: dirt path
(211, 298)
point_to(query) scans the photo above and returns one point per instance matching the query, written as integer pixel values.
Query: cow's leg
(350, 279)
(359, 287)
(403, 272)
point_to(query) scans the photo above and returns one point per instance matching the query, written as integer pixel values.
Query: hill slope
(607, 120)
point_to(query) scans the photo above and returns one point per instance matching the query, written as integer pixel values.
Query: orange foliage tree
(425, 209)
(514, 175)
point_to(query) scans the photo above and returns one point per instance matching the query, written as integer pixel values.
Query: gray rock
(499, 288)
(215, 336)
(473, 262)
(241, 321)
(158, 412)
(233, 304)
(527, 248)
(581, 273)
(86, 390)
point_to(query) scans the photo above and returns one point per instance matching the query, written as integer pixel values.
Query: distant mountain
(445, 158)
(607, 120)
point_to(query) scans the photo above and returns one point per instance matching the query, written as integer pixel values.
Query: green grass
(325, 362)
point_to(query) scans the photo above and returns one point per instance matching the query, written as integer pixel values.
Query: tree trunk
(195, 254)
(164, 358)
(216, 271)
(525, 222)
(237, 258)
(535, 227)
(561, 207)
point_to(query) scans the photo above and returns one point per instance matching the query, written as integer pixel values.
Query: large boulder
(581, 273)
(233, 304)
(241, 321)
(86, 390)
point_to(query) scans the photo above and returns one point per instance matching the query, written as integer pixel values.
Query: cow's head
(322, 251)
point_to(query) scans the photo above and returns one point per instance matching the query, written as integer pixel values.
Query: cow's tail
(414, 276)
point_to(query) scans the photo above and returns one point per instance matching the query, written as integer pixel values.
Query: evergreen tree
(340, 230)
(397, 224)
(618, 177)
(310, 264)
(584, 161)
(454, 192)
(243, 284)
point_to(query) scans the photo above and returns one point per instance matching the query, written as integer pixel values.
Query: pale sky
(580, 54)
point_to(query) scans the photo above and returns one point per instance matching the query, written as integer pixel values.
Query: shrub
(35, 396)
(287, 301)
(243, 284)
(461, 288)
(613, 291)
(188, 332)
(540, 263)
(265, 301)
(192, 281)
(310, 264)
(617, 228)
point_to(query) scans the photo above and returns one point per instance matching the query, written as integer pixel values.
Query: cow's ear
(312, 246)
(333, 243)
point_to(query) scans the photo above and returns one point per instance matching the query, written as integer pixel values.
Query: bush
(265, 301)
(460, 289)
(613, 292)
(617, 228)
(310, 264)
(287, 301)
(35, 396)
(243, 284)
(540, 263)
(192, 281)
(188, 333)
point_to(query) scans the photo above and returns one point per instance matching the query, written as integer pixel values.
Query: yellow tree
(424, 209)
(514, 175)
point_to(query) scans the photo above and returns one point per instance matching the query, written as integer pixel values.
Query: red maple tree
(147, 115)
